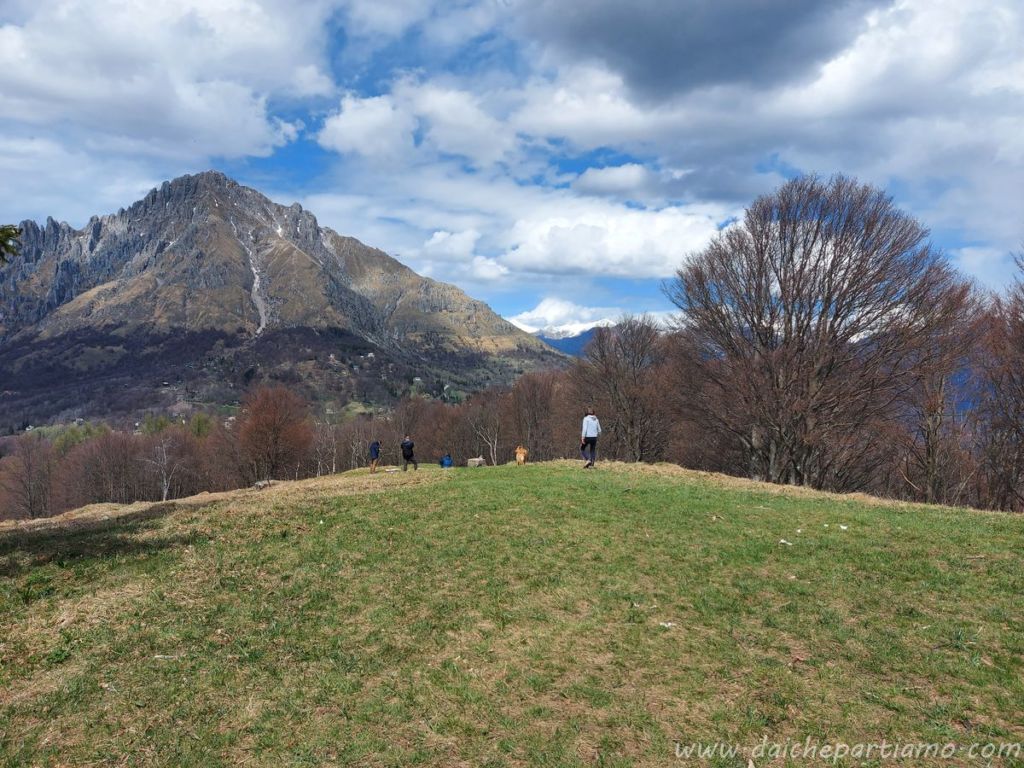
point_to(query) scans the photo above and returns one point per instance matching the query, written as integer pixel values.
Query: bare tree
(1000, 402)
(166, 458)
(275, 433)
(354, 437)
(408, 414)
(484, 415)
(107, 468)
(27, 477)
(814, 316)
(530, 403)
(325, 446)
(619, 366)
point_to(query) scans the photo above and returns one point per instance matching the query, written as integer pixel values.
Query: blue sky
(556, 160)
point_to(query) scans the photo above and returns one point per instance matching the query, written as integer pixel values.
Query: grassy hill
(505, 617)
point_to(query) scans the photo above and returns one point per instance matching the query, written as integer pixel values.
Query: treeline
(821, 341)
(275, 435)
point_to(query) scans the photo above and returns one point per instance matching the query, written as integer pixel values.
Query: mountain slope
(569, 344)
(207, 285)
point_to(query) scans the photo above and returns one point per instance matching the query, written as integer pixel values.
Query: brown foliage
(275, 434)
(1000, 404)
(813, 319)
(27, 478)
(108, 468)
(621, 375)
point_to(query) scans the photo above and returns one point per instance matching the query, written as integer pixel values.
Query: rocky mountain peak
(209, 263)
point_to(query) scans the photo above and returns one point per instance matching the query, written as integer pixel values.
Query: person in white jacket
(588, 438)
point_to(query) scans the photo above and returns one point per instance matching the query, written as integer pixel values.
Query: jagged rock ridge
(205, 285)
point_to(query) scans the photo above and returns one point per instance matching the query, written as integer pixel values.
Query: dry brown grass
(354, 483)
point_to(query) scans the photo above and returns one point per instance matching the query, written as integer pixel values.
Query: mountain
(568, 343)
(205, 286)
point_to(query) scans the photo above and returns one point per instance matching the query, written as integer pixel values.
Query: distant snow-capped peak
(562, 331)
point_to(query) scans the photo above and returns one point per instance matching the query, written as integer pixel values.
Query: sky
(556, 159)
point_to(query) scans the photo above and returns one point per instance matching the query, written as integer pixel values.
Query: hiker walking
(374, 455)
(588, 438)
(407, 454)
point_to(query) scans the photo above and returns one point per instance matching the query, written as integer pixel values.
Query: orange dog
(521, 454)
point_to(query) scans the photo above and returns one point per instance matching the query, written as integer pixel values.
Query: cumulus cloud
(459, 246)
(537, 234)
(46, 170)
(922, 100)
(184, 79)
(610, 240)
(992, 267)
(457, 124)
(634, 181)
(488, 269)
(590, 107)
(566, 316)
(374, 127)
(452, 121)
(628, 179)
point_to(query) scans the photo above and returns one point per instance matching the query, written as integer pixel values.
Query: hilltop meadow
(506, 616)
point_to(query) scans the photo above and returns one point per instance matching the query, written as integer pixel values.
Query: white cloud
(374, 127)
(558, 318)
(487, 269)
(610, 240)
(45, 171)
(176, 79)
(457, 124)
(384, 18)
(309, 80)
(992, 267)
(436, 219)
(459, 246)
(629, 179)
(588, 106)
(555, 314)
(453, 122)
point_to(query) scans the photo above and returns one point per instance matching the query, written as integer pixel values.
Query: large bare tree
(813, 316)
(619, 369)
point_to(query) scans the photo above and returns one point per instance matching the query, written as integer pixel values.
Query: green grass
(507, 617)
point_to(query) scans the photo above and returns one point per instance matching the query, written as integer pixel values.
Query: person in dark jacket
(408, 457)
(374, 455)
